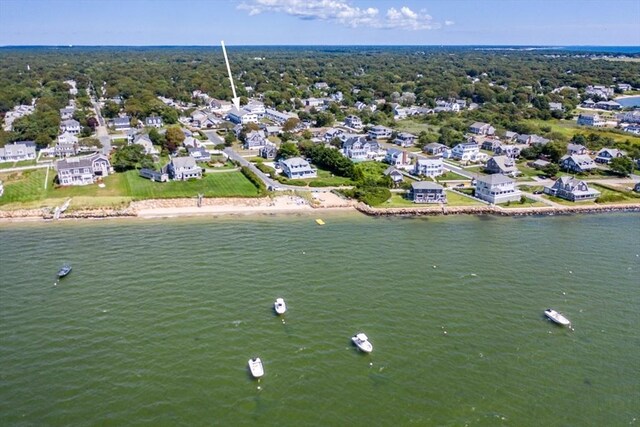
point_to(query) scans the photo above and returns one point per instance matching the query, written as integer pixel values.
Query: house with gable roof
(182, 169)
(297, 168)
(496, 188)
(572, 189)
(427, 192)
(607, 154)
(578, 163)
(503, 165)
(82, 170)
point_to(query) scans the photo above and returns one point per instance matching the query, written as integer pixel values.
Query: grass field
(25, 189)
(529, 203)
(569, 128)
(398, 200)
(451, 176)
(415, 127)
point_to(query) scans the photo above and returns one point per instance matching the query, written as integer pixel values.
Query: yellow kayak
(319, 221)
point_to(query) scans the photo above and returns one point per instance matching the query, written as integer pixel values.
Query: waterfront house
(405, 139)
(82, 170)
(153, 121)
(156, 176)
(590, 120)
(297, 168)
(255, 140)
(465, 151)
(572, 189)
(427, 192)
(71, 126)
(607, 154)
(579, 163)
(599, 90)
(479, 128)
(608, 105)
(625, 87)
(182, 169)
(576, 149)
(353, 122)
(496, 188)
(435, 148)
(503, 165)
(122, 123)
(18, 151)
(629, 116)
(395, 175)
(380, 132)
(428, 167)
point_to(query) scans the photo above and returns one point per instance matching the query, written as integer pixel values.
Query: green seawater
(158, 319)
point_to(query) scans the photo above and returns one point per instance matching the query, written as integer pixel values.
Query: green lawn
(398, 200)
(25, 189)
(568, 128)
(8, 165)
(455, 199)
(414, 126)
(228, 184)
(529, 203)
(451, 176)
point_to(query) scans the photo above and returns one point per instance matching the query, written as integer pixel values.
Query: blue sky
(319, 22)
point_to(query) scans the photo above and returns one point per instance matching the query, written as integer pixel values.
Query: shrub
(609, 198)
(255, 180)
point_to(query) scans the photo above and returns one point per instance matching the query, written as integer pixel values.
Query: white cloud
(448, 23)
(342, 12)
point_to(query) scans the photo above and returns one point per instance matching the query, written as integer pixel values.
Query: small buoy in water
(259, 388)
(570, 272)
(304, 253)
(434, 266)
(564, 293)
(473, 274)
(370, 363)
(445, 332)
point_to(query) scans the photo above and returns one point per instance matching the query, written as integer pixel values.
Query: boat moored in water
(256, 368)
(64, 270)
(362, 342)
(280, 306)
(556, 317)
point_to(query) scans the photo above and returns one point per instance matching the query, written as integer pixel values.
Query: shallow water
(158, 319)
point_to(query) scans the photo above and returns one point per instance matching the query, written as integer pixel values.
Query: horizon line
(553, 46)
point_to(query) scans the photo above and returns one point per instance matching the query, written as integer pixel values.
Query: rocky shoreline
(495, 210)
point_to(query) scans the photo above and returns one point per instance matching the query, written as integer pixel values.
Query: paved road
(213, 137)
(101, 131)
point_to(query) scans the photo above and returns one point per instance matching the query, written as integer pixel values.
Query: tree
(130, 157)
(554, 151)
(551, 169)
(229, 139)
(173, 138)
(621, 165)
(92, 122)
(290, 124)
(288, 150)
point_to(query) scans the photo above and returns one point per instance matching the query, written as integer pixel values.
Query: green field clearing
(25, 189)
(569, 128)
(415, 127)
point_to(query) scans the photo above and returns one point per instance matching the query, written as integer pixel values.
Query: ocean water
(158, 319)
(632, 101)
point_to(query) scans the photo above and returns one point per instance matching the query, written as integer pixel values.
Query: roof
(183, 162)
(390, 170)
(75, 162)
(479, 125)
(121, 121)
(426, 185)
(494, 179)
(295, 161)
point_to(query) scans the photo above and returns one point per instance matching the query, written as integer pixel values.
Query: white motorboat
(362, 342)
(556, 317)
(280, 306)
(255, 366)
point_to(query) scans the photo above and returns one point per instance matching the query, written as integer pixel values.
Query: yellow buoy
(319, 221)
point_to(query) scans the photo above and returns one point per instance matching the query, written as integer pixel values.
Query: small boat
(280, 306)
(362, 342)
(64, 270)
(556, 317)
(255, 366)
(319, 221)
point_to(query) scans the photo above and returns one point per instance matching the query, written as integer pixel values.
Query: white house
(255, 107)
(428, 167)
(21, 150)
(153, 121)
(242, 117)
(82, 170)
(297, 168)
(465, 151)
(358, 148)
(71, 126)
(146, 144)
(183, 168)
(497, 188)
(590, 120)
(278, 116)
(572, 189)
